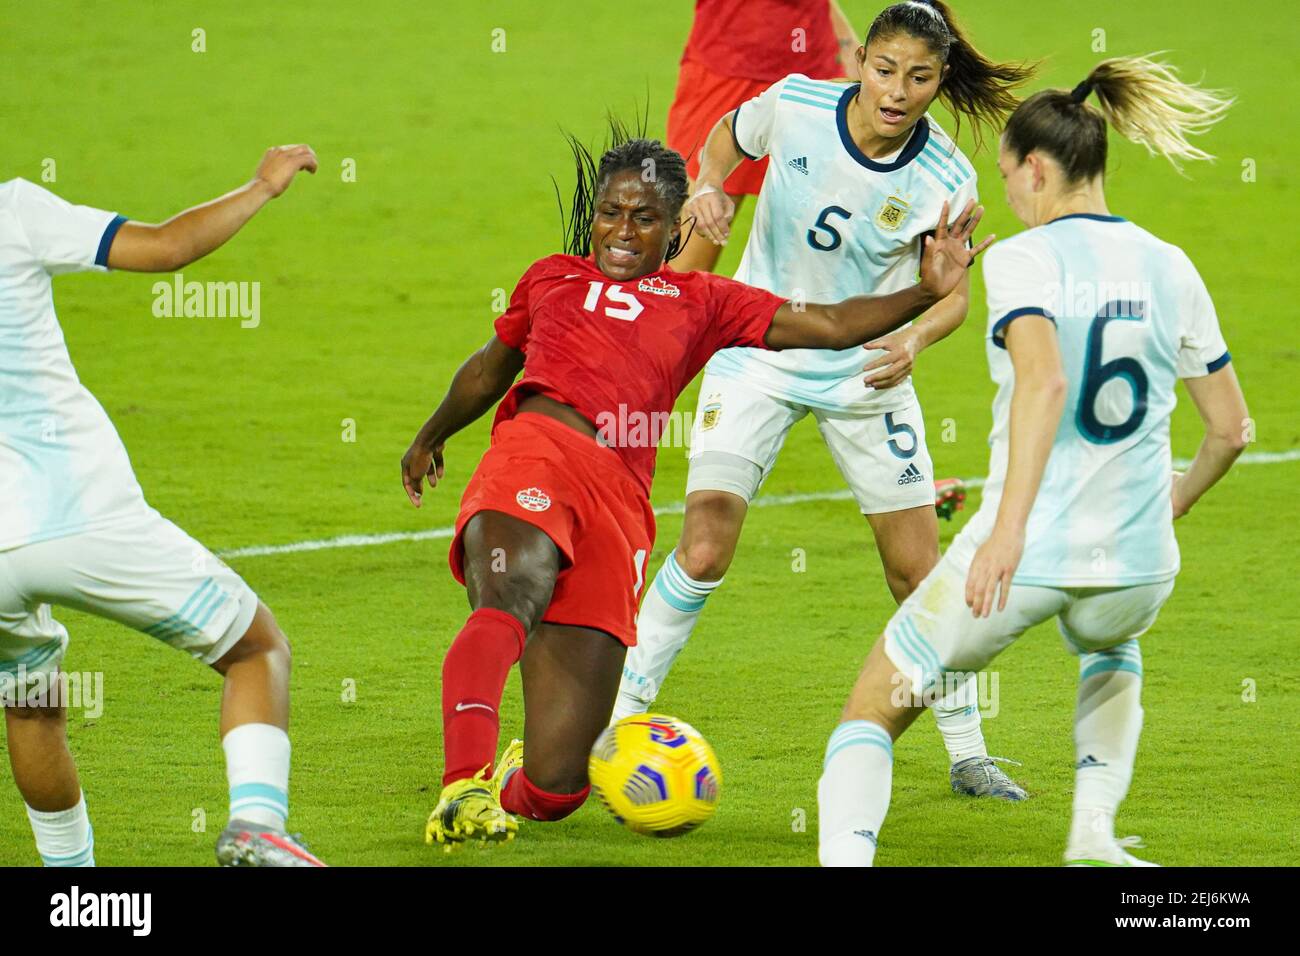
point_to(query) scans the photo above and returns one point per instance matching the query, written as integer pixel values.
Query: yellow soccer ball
(655, 774)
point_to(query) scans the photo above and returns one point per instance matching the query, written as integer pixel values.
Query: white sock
(257, 768)
(672, 605)
(64, 837)
(957, 716)
(853, 793)
(1107, 724)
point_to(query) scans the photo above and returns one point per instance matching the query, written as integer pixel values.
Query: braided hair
(625, 149)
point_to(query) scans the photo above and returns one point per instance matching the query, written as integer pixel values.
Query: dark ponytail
(973, 86)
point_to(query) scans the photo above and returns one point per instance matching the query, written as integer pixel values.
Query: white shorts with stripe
(881, 455)
(933, 632)
(142, 571)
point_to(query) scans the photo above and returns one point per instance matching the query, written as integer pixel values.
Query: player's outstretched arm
(1222, 406)
(192, 234)
(1037, 401)
(860, 319)
(709, 203)
(478, 385)
(901, 348)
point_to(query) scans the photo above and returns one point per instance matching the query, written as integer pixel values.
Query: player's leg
(737, 435)
(692, 571)
(570, 677)
(43, 768)
(574, 659)
(857, 771)
(885, 461)
(510, 569)
(46, 776)
(908, 542)
(32, 644)
(1102, 628)
(929, 638)
(256, 671)
(255, 741)
(146, 573)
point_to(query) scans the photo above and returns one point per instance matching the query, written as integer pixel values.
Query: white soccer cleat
(1112, 854)
(982, 777)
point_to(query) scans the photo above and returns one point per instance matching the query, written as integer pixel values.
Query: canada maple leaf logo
(657, 286)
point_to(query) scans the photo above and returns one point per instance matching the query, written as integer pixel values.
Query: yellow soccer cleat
(512, 758)
(469, 810)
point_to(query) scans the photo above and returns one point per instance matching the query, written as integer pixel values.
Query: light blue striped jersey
(1132, 316)
(63, 469)
(832, 223)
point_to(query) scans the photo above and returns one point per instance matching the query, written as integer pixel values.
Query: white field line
(676, 508)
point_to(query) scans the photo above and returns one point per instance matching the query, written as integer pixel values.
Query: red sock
(523, 797)
(473, 679)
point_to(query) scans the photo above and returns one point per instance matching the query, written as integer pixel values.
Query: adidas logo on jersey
(800, 164)
(911, 476)
(1089, 761)
(657, 286)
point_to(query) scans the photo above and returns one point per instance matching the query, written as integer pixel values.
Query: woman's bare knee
(262, 639)
(35, 712)
(710, 533)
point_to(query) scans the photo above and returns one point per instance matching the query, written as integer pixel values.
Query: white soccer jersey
(832, 223)
(1132, 316)
(62, 466)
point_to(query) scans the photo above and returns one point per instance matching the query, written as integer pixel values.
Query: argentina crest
(892, 213)
(712, 409)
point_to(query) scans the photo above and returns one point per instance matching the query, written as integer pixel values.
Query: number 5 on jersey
(627, 310)
(832, 239)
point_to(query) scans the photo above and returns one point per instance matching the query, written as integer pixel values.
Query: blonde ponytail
(1145, 102)
(1142, 98)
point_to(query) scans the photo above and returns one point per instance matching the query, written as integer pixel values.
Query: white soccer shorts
(882, 456)
(142, 571)
(933, 632)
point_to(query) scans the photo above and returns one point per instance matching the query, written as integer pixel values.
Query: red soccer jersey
(621, 352)
(756, 39)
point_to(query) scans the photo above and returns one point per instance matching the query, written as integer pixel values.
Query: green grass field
(374, 291)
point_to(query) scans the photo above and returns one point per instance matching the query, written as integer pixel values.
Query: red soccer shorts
(582, 496)
(703, 97)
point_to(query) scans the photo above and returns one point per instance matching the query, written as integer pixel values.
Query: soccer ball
(656, 774)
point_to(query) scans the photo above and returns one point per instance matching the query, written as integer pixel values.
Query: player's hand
(713, 211)
(895, 365)
(946, 257)
(1180, 505)
(282, 163)
(991, 570)
(420, 462)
